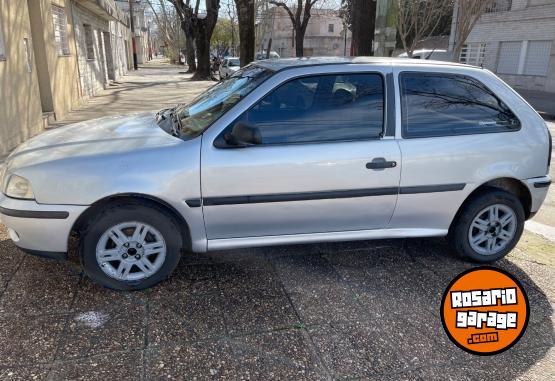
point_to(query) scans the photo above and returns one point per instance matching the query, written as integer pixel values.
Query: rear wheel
(130, 246)
(488, 227)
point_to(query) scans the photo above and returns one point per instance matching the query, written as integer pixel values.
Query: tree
(419, 19)
(169, 30)
(360, 18)
(198, 28)
(246, 15)
(468, 12)
(222, 37)
(186, 13)
(299, 14)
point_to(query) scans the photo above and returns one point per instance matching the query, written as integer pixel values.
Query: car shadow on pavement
(348, 310)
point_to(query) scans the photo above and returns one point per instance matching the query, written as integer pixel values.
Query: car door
(455, 134)
(323, 163)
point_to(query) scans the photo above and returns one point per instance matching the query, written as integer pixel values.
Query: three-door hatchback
(286, 151)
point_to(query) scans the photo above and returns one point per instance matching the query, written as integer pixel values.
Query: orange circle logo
(485, 310)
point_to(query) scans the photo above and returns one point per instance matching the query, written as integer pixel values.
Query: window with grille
(60, 30)
(330, 28)
(473, 54)
(509, 56)
(537, 58)
(499, 6)
(89, 41)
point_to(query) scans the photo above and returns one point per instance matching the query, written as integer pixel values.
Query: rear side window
(321, 109)
(451, 104)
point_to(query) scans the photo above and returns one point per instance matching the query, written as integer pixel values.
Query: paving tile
(98, 332)
(317, 304)
(178, 285)
(280, 355)
(11, 256)
(258, 310)
(37, 266)
(185, 318)
(93, 297)
(37, 295)
(114, 366)
(210, 360)
(37, 373)
(30, 340)
(304, 271)
(247, 275)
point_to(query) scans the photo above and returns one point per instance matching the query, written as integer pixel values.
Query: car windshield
(193, 119)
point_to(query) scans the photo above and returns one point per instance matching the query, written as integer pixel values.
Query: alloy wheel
(492, 229)
(131, 251)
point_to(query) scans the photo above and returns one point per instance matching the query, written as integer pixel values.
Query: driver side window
(321, 108)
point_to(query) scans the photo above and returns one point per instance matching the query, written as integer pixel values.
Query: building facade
(516, 40)
(325, 34)
(53, 55)
(141, 24)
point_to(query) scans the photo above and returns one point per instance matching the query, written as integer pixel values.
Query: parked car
(429, 54)
(262, 56)
(229, 66)
(287, 151)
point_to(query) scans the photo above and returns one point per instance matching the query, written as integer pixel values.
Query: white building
(141, 24)
(516, 40)
(324, 34)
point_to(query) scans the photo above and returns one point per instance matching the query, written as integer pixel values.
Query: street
(354, 310)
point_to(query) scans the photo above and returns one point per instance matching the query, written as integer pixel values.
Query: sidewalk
(543, 102)
(154, 86)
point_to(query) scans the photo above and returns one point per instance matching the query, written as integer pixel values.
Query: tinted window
(320, 108)
(446, 104)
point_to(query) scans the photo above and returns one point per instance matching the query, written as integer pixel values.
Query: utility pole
(133, 42)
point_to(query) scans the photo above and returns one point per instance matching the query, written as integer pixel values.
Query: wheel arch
(508, 184)
(81, 223)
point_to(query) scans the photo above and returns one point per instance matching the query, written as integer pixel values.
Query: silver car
(286, 151)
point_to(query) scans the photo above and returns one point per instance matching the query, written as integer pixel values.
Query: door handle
(380, 163)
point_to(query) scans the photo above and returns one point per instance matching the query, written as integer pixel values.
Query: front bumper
(538, 187)
(39, 228)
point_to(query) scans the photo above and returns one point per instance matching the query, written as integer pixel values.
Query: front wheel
(488, 227)
(129, 246)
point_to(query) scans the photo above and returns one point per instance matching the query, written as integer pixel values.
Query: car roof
(289, 63)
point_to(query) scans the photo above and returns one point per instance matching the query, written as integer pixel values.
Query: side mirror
(243, 135)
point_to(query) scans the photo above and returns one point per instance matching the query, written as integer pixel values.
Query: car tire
(491, 237)
(144, 240)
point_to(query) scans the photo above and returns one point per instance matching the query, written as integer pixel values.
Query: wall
(93, 73)
(58, 73)
(526, 21)
(20, 107)
(318, 40)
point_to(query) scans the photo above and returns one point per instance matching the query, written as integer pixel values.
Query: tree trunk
(245, 15)
(203, 51)
(363, 26)
(299, 43)
(191, 56)
(189, 31)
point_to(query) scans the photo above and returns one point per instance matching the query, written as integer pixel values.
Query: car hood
(115, 134)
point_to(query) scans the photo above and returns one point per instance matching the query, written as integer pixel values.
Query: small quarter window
(321, 109)
(449, 104)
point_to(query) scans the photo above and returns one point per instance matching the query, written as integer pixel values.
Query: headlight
(19, 187)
